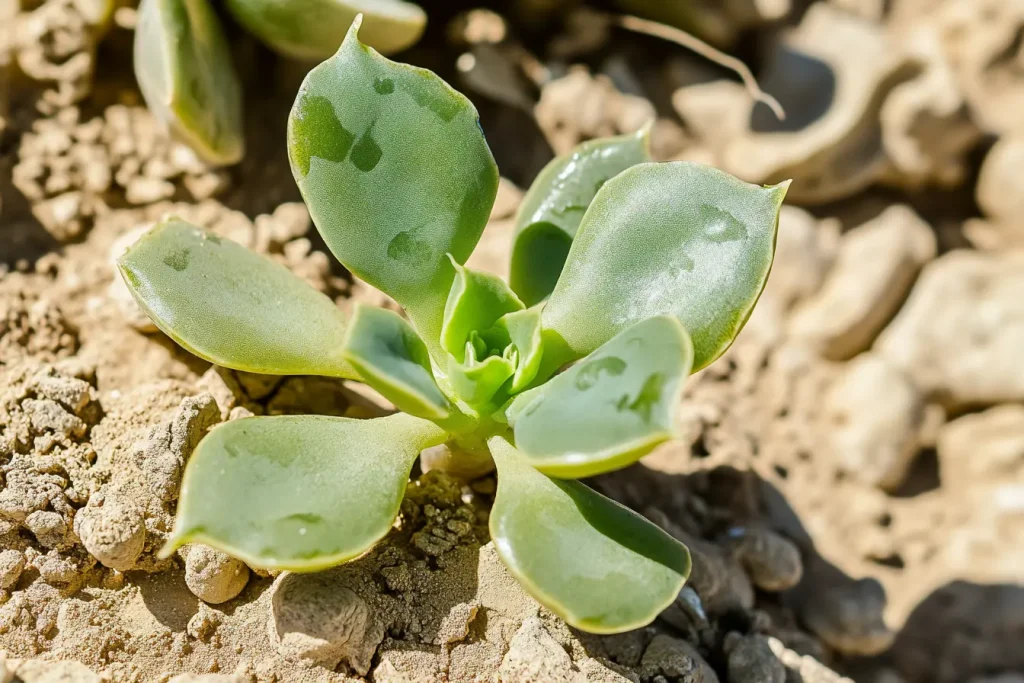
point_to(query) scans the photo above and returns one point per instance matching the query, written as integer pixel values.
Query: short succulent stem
(458, 458)
(465, 454)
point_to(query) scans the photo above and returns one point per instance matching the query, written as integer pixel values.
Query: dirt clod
(114, 532)
(212, 575)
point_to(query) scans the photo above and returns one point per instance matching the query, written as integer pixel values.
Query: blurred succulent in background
(184, 69)
(627, 276)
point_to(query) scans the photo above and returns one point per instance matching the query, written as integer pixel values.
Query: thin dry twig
(690, 42)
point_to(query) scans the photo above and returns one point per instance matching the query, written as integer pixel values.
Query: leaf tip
(779, 190)
(170, 546)
(351, 35)
(643, 134)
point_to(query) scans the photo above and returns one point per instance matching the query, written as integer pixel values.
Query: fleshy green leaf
(391, 358)
(554, 206)
(611, 408)
(475, 303)
(232, 306)
(298, 492)
(313, 29)
(523, 329)
(673, 238)
(184, 70)
(396, 173)
(477, 382)
(594, 563)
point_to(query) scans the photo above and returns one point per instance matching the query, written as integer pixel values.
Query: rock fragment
(1000, 194)
(534, 655)
(771, 561)
(876, 265)
(960, 333)
(11, 565)
(751, 660)
(163, 454)
(675, 660)
(846, 613)
(980, 448)
(48, 416)
(316, 619)
(49, 528)
(580, 106)
(874, 415)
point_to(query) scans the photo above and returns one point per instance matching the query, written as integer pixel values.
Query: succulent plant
(628, 276)
(184, 69)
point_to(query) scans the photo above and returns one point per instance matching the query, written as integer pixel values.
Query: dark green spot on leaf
(317, 132)
(178, 259)
(367, 153)
(384, 86)
(590, 373)
(437, 100)
(414, 252)
(650, 394)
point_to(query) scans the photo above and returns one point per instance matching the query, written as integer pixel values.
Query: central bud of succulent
(492, 340)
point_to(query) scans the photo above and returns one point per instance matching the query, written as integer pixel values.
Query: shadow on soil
(960, 630)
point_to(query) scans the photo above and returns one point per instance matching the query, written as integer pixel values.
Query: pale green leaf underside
(313, 29)
(391, 358)
(674, 238)
(298, 492)
(599, 566)
(554, 206)
(396, 173)
(232, 306)
(611, 408)
(183, 67)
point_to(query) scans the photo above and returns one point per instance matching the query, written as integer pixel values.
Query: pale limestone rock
(873, 414)
(875, 267)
